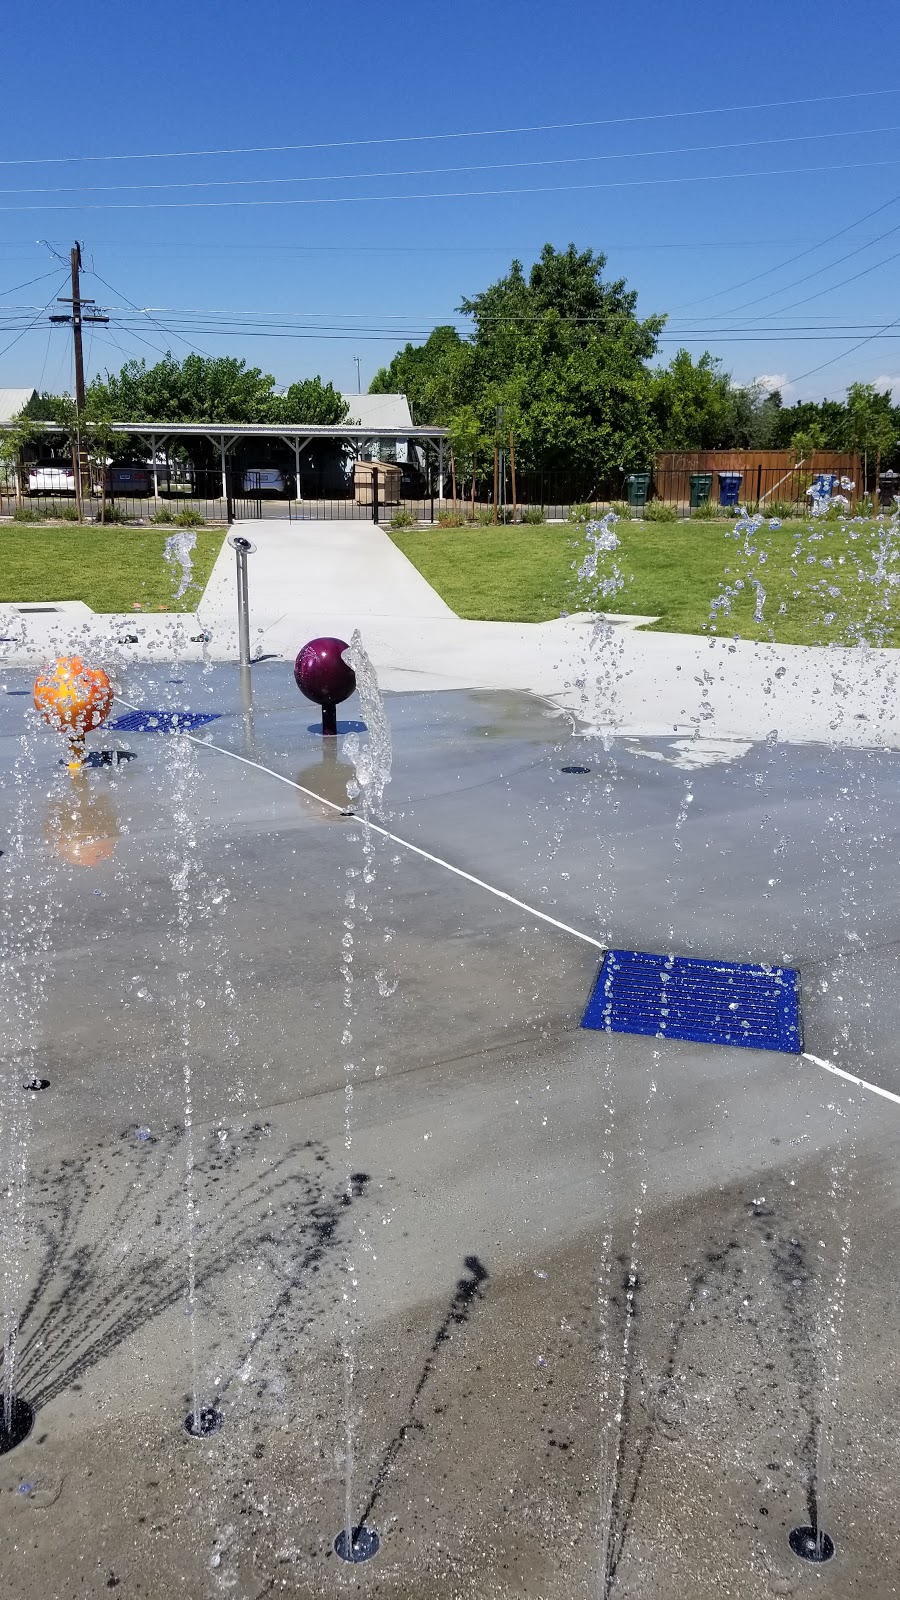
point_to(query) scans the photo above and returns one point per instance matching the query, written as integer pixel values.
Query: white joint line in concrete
(850, 1077)
(438, 861)
(500, 894)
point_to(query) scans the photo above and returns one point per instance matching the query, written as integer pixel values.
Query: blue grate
(711, 1002)
(163, 721)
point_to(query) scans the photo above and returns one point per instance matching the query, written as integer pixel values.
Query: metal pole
(76, 327)
(242, 548)
(155, 473)
(374, 494)
(440, 470)
(224, 480)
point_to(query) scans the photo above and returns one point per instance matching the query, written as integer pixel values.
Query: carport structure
(296, 436)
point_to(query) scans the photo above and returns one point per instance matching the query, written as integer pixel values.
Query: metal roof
(12, 401)
(265, 430)
(378, 410)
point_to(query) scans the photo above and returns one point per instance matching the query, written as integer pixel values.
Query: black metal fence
(200, 500)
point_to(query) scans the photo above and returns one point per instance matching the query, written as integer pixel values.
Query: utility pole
(77, 319)
(357, 359)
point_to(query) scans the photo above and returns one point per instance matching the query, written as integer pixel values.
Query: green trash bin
(701, 488)
(637, 488)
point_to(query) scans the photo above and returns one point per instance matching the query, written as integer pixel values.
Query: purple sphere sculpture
(321, 673)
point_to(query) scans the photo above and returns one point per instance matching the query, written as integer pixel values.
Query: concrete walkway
(309, 578)
(348, 570)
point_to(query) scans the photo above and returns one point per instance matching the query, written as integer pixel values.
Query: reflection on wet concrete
(82, 823)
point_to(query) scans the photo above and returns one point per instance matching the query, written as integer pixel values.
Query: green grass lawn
(675, 571)
(110, 570)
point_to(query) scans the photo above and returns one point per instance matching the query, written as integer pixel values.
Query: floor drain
(362, 1545)
(36, 1083)
(574, 769)
(200, 1424)
(15, 1424)
(811, 1544)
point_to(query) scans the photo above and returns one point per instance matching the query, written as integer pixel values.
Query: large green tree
(693, 403)
(561, 351)
(210, 389)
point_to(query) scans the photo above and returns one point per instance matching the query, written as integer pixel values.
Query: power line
(844, 353)
(463, 194)
(142, 312)
(430, 172)
(808, 277)
(27, 284)
(811, 249)
(431, 138)
(33, 322)
(792, 306)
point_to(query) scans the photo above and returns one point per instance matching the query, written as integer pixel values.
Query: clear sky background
(770, 233)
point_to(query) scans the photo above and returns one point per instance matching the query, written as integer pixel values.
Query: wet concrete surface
(533, 1228)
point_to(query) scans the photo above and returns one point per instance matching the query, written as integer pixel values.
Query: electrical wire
(431, 172)
(27, 284)
(460, 194)
(143, 312)
(33, 321)
(431, 138)
(844, 353)
(687, 305)
(809, 276)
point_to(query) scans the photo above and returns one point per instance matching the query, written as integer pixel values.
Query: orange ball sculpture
(74, 699)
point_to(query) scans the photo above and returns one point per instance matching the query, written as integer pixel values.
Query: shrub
(778, 508)
(659, 511)
(533, 515)
(705, 513)
(580, 513)
(622, 509)
(484, 517)
(165, 514)
(451, 519)
(189, 518)
(66, 513)
(27, 514)
(113, 515)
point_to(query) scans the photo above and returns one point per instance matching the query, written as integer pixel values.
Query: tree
(694, 404)
(807, 441)
(561, 350)
(13, 440)
(436, 377)
(217, 389)
(213, 389)
(869, 427)
(826, 418)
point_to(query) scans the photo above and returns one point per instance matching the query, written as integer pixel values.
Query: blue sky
(411, 190)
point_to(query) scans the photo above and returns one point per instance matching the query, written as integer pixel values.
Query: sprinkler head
(811, 1544)
(200, 1424)
(362, 1544)
(16, 1423)
(245, 546)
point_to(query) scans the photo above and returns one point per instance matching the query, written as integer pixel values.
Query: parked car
(413, 482)
(129, 478)
(263, 480)
(51, 477)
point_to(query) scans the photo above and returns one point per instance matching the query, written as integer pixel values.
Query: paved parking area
(543, 1227)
